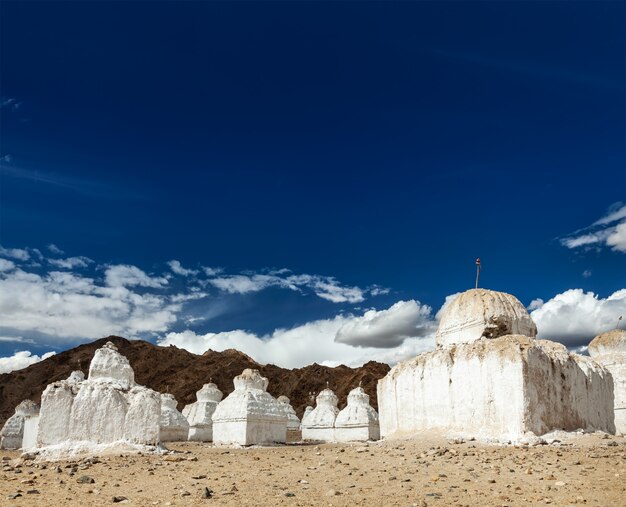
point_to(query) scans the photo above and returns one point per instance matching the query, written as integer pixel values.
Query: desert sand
(581, 470)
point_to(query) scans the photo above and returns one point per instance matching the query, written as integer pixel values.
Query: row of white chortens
(488, 378)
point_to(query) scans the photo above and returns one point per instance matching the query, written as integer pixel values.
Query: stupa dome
(209, 392)
(293, 423)
(108, 365)
(358, 420)
(610, 342)
(481, 313)
(250, 379)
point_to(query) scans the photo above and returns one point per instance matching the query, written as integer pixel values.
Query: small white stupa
(173, 426)
(12, 433)
(486, 380)
(249, 415)
(319, 423)
(200, 413)
(293, 423)
(358, 420)
(106, 408)
(609, 349)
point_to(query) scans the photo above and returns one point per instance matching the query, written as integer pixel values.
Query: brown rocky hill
(174, 370)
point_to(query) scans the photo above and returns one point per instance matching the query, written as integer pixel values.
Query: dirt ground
(585, 470)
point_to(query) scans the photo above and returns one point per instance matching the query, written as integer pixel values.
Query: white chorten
(199, 414)
(108, 407)
(358, 420)
(12, 433)
(293, 423)
(319, 423)
(479, 313)
(249, 415)
(609, 349)
(485, 382)
(173, 426)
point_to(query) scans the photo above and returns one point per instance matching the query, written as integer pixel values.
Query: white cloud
(617, 238)
(55, 249)
(610, 230)
(325, 287)
(71, 262)
(296, 347)
(65, 307)
(21, 360)
(16, 339)
(15, 253)
(211, 271)
(388, 328)
(575, 317)
(178, 269)
(6, 265)
(316, 341)
(587, 273)
(123, 275)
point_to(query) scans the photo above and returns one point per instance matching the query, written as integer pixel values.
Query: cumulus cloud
(123, 275)
(178, 269)
(325, 287)
(71, 262)
(54, 249)
(6, 265)
(575, 317)
(15, 253)
(315, 341)
(21, 360)
(608, 231)
(387, 328)
(66, 306)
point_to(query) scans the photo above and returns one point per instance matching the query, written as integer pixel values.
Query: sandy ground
(586, 470)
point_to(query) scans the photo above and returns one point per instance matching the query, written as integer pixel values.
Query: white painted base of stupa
(201, 433)
(245, 432)
(31, 425)
(174, 434)
(357, 433)
(497, 389)
(319, 434)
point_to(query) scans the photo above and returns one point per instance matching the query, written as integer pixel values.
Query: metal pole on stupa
(477, 271)
(619, 320)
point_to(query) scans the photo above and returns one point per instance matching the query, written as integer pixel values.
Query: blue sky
(373, 149)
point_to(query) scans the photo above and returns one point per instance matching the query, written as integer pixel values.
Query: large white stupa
(249, 415)
(609, 349)
(319, 423)
(488, 380)
(106, 408)
(12, 433)
(358, 420)
(200, 413)
(173, 426)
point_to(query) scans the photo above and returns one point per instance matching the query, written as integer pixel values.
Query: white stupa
(485, 382)
(12, 433)
(249, 415)
(106, 408)
(319, 423)
(173, 426)
(293, 423)
(358, 420)
(609, 349)
(200, 413)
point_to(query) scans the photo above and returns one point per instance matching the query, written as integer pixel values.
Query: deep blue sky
(379, 143)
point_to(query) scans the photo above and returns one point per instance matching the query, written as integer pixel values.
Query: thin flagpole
(619, 321)
(477, 271)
